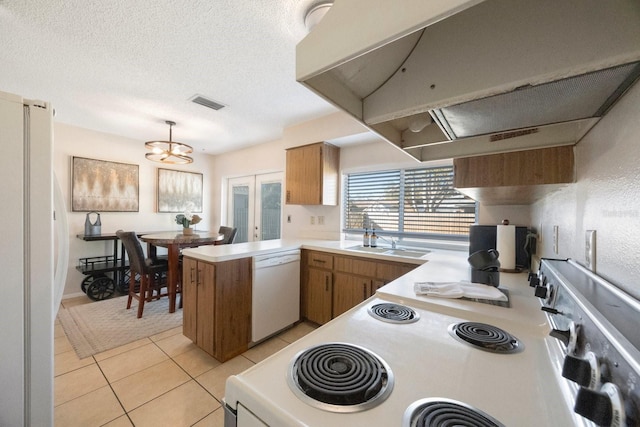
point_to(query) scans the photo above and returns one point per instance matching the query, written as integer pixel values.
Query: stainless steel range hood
(489, 76)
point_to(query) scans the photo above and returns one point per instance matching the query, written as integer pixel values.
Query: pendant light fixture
(169, 152)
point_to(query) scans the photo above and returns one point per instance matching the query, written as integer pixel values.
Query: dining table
(174, 241)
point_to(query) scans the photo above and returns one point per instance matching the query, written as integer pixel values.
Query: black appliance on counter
(484, 267)
(483, 237)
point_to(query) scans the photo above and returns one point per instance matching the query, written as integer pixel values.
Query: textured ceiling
(124, 67)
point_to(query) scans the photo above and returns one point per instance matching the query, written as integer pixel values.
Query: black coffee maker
(485, 267)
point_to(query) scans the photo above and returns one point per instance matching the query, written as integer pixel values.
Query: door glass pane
(270, 202)
(241, 212)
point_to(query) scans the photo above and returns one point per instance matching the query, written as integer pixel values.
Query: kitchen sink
(367, 249)
(405, 252)
(390, 251)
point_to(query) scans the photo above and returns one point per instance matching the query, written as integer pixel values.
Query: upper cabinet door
(312, 175)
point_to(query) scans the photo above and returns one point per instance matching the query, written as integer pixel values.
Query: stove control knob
(604, 407)
(585, 372)
(541, 292)
(534, 280)
(568, 337)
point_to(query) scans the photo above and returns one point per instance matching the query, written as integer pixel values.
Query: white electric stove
(417, 368)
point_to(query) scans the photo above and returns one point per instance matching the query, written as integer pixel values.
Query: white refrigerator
(27, 262)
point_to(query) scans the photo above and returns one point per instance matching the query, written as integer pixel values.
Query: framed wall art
(179, 191)
(102, 186)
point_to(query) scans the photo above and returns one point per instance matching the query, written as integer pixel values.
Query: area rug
(99, 326)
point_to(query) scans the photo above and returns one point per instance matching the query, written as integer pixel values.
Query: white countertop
(243, 250)
(438, 265)
(452, 266)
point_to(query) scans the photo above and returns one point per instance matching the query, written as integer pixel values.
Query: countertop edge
(222, 253)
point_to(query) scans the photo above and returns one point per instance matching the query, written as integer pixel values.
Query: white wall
(516, 214)
(373, 155)
(605, 198)
(72, 141)
(271, 157)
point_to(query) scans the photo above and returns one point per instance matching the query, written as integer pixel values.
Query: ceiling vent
(205, 102)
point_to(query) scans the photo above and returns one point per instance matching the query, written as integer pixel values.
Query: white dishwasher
(275, 297)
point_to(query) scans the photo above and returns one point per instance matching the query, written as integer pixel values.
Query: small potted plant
(185, 220)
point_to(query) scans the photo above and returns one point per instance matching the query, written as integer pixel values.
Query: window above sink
(413, 205)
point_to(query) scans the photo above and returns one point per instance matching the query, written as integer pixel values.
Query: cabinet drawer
(320, 260)
(357, 266)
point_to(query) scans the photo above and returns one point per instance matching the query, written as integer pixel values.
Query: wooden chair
(229, 235)
(149, 270)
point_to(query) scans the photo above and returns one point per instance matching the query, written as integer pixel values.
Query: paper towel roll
(506, 246)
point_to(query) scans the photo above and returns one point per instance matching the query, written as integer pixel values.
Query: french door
(255, 206)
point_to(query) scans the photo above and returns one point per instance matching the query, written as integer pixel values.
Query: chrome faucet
(393, 242)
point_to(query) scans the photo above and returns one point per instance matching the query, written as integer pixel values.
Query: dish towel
(459, 290)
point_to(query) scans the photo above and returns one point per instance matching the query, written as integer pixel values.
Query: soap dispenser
(374, 238)
(365, 238)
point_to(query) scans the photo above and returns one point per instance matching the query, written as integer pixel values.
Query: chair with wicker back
(149, 270)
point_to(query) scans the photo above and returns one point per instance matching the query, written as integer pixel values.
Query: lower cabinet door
(206, 308)
(189, 298)
(319, 292)
(349, 291)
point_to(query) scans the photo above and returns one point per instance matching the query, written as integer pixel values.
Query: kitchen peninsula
(217, 286)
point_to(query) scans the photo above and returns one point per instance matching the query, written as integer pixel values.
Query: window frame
(406, 237)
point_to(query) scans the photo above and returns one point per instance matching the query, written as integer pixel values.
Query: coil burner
(434, 412)
(393, 313)
(340, 377)
(485, 337)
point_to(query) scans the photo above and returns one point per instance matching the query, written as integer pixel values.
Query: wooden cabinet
(389, 271)
(353, 282)
(348, 291)
(332, 284)
(312, 175)
(319, 295)
(217, 305)
(317, 286)
(520, 177)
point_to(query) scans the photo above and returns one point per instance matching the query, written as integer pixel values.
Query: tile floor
(163, 380)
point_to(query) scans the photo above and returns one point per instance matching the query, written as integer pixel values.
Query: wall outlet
(312, 220)
(320, 219)
(590, 250)
(555, 239)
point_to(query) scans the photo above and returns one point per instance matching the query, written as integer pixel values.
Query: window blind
(415, 202)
